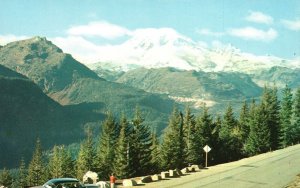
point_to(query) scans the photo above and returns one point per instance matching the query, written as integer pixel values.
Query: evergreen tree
(141, 143)
(5, 178)
(216, 144)
(123, 157)
(55, 164)
(36, 167)
(81, 167)
(295, 130)
(106, 147)
(191, 144)
(155, 154)
(272, 107)
(172, 151)
(60, 163)
(285, 117)
(244, 123)
(204, 125)
(67, 163)
(86, 155)
(22, 175)
(259, 136)
(228, 137)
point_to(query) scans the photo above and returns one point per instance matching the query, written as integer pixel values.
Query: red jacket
(112, 179)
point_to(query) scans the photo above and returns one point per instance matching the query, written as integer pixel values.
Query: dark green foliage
(36, 168)
(106, 147)
(55, 164)
(5, 178)
(229, 137)
(86, 155)
(285, 118)
(141, 143)
(155, 154)
(259, 136)
(295, 131)
(190, 137)
(21, 180)
(204, 126)
(243, 123)
(270, 103)
(60, 163)
(27, 113)
(172, 146)
(123, 157)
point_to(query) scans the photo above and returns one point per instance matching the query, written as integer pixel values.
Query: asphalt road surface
(274, 170)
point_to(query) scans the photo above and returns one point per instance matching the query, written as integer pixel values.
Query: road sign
(206, 148)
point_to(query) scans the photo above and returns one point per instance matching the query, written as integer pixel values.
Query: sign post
(206, 149)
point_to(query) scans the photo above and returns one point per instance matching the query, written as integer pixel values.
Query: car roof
(60, 180)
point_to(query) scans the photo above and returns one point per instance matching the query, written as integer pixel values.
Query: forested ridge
(129, 148)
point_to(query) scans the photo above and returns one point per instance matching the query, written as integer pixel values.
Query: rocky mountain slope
(26, 113)
(78, 97)
(215, 89)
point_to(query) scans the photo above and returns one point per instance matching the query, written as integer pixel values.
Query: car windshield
(67, 184)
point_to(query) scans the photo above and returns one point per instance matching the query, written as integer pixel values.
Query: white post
(206, 153)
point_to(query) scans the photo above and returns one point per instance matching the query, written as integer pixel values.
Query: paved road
(273, 170)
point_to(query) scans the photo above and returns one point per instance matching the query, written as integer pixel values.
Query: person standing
(112, 180)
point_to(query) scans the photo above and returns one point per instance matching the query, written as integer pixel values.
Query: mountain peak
(152, 37)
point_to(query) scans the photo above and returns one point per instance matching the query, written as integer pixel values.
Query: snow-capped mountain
(157, 48)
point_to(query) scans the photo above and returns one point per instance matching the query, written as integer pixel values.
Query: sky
(260, 27)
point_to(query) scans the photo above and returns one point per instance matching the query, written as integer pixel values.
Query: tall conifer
(172, 151)
(36, 166)
(123, 157)
(141, 143)
(107, 147)
(286, 117)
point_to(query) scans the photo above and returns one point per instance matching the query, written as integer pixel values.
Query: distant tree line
(130, 148)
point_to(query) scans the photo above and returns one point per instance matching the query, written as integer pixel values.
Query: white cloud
(101, 29)
(208, 32)
(259, 17)
(250, 33)
(82, 49)
(292, 24)
(4, 39)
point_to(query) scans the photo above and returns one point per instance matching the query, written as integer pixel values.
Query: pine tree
(67, 163)
(285, 117)
(106, 147)
(36, 167)
(228, 137)
(6, 178)
(141, 143)
(243, 123)
(81, 167)
(86, 155)
(22, 175)
(216, 144)
(55, 164)
(295, 130)
(259, 136)
(123, 156)
(155, 154)
(204, 127)
(172, 151)
(190, 138)
(271, 104)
